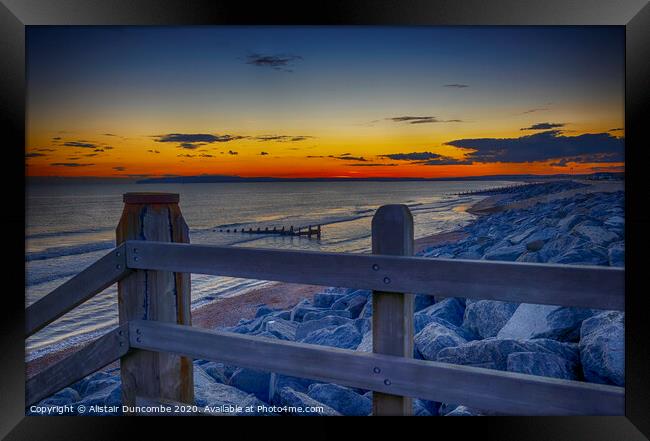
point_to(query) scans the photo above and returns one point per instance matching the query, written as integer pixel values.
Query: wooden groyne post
(154, 295)
(392, 316)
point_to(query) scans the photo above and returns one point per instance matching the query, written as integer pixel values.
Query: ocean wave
(67, 233)
(69, 250)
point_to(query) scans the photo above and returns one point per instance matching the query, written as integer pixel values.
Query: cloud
(374, 164)
(444, 160)
(543, 146)
(420, 119)
(533, 110)
(414, 156)
(264, 153)
(119, 168)
(81, 144)
(46, 150)
(91, 154)
(34, 155)
(108, 134)
(56, 138)
(282, 138)
(456, 85)
(107, 147)
(544, 126)
(618, 129)
(192, 141)
(345, 157)
(70, 164)
(98, 150)
(153, 151)
(230, 152)
(279, 62)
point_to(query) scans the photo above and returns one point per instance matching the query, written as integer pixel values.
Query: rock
(450, 309)
(216, 371)
(602, 348)
(492, 353)
(262, 311)
(363, 325)
(61, 398)
(108, 396)
(93, 386)
(342, 399)
(571, 221)
(217, 395)
(545, 321)
(543, 364)
(252, 381)
(326, 299)
(315, 314)
(366, 343)
(596, 235)
(506, 253)
(615, 221)
(435, 337)
(330, 321)
(463, 411)
(344, 336)
(616, 254)
(535, 245)
(282, 329)
(422, 301)
(81, 385)
(517, 237)
(419, 409)
(587, 255)
(366, 312)
(302, 405)
(486, 317)
(353, 303)
(279, 381)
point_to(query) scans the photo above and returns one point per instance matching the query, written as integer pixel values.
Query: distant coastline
(213, 179)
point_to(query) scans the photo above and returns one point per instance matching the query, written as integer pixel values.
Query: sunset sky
(324, 101)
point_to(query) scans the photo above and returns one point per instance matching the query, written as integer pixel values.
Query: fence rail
(155, 340)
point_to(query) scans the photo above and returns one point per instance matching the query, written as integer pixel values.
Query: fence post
(154, 295)
(392, 317)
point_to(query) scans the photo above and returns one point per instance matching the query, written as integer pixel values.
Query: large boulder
(545, 321)
(315, 314)
(326, 299)
(217, 395)
(505, 252)
(353, 303)
(486, 317)
(464, 411)
(344, 336)
(252, 381)
(541, 363)
(282, 329)
(342, 399)
(278, 381)
(595, 234)
(602, 348)
(219, 372)
(330, 321)
(366, 343)
(493, 353)
(616, 254)
(300, 404)
(422, 301)
(435, 337)
(450, 309)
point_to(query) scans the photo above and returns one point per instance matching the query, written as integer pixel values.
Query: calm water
(69, 226)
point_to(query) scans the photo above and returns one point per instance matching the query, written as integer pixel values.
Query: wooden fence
(155, 342)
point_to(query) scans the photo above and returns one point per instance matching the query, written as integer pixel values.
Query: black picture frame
(633, 14)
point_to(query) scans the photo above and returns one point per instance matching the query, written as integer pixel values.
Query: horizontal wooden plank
(93, 280)
(504, 392)
(85, 361)
(564, 285)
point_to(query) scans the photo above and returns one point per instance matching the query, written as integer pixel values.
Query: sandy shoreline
(228, 311)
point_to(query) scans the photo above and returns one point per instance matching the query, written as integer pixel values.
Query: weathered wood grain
(154, 295)
(503, 392)
(392, 313)
(93, 280)
(551, 284)
(85, 361)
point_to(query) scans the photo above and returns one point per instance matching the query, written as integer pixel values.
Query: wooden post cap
(151, 197)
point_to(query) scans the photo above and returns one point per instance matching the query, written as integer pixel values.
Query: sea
(69, 225)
